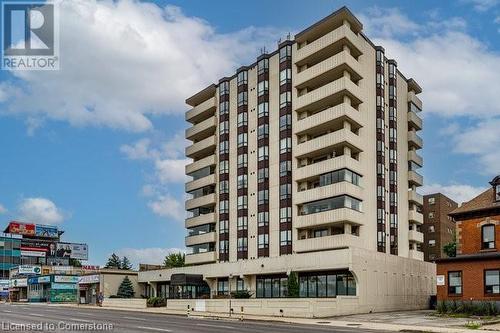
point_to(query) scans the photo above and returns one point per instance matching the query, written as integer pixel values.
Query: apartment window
(224, 186)
(381, 147)
(223, 167)
(242, 140)
(285, 191)
(224, 206)
(242, 98)
(263, 66)
(263, 197)
(223, 226)
(343, 201)
(455, 283)
(380, 79)
(262, 175)
(242, 202)
(392, 113)
(327, 284)
(381, 214)
(393, 199)
(285, 168)
(380, 170)
(431, 228)
(380, 125)
(224, 108)
(223, 127)
(240, 285)
(262, 219)
(393, 156)
(431, 201)
(343, 175)
(285, 76)
(222, 287)
(320, 233)
(263, 131)
(224, 147)
(380, 191)
(285, 145)
(242, 160)
(285, 52)
(492, 282)
(242, 119)
(285, 237)
(380, 102)
(263, 241)
(224, 246)
(262, 88)
(242, 181)
(263, 109)
(488, 236)
(285, 214)
(224, 88)
(414, 108)
(242, 244)
(432, 242)
(393, 175)
(285, 98)
(285, 122)
(242, 223)
(263, 153)
(242, 78)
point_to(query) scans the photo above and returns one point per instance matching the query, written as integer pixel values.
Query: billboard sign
(46, 231)
(15, 283)
(39, 254)
(26, 229)
(73, 251)
(66, 279)
(30, 269)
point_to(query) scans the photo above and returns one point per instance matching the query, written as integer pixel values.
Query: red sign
(90, 268)
(22, 228)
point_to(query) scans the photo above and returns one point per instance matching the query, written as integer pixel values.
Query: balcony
(330, 93)
(201, 258)
(415, 236)
(327, 118)
(326, 143)
(202, 111)
(415, 217)
(413, 98)
(414, 141)
(203, 201)
(313, 170)
(414, 121)
(329, 67)
(199, 220)
(414, 254)
(327, 243)
(199, 183)
(328, 191)
(202, 130)
(200, 164)
(341, 34)
(415, 198)
(415, 179)
(202, 148)
(209, 237)
(414, 157)
(329, 217)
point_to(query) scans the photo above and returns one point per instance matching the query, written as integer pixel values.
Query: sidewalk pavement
(402, 321)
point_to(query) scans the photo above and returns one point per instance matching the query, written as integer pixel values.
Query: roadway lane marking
(36, 315)
(153, 329)
(218, 326)
(135, 318)
(6, 311)
(82, 320)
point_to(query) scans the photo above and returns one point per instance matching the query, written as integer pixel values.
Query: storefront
(89, 288)
(38, 288)
(18, 290)
(53, 288)
(4, 290)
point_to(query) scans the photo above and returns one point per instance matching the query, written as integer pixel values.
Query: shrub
(473, 325)
(241, 294)
(441, 307)
(156, 302)
(470, 308)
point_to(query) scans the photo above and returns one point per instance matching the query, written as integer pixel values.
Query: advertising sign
(66, 279)
(89, 279)
(30, 269)
(72, 250)
(62, 295)
(4, 285)
(64, 286)
(46, 231)
(22, 228)
(15, 283)
(39, 254)
(90, 268)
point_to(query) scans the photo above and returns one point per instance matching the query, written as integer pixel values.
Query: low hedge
(156, 302)
(477, 308)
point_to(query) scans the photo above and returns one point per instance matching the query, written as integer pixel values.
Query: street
(44, 318)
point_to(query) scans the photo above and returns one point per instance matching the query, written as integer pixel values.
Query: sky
(96, 148)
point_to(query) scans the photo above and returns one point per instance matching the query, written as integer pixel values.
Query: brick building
(474, 274)
(439, 227)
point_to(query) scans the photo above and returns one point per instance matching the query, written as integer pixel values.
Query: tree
(75, 262)
(114, 262)
(126, 289)
(126, 265)
(450, 249)
(293, 285)
(175, 260)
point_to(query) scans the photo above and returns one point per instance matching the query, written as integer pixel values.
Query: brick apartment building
(474, 274)
(439, 227)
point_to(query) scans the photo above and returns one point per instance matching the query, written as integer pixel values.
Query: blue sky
(96, 147)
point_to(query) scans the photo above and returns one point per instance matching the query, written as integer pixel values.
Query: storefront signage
(38, 280)
(66, 279)
(64, 286)
(89, 279)
(4, 285)
(30, 269)
(15, 283)
(39, 254)
(73, 251)
(46, 231)
(90, 268)
(22, 228)
(440, 280)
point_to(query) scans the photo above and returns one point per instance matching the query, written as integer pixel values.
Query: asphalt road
(45, 318)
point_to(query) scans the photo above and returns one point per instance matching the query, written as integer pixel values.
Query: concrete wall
(111, 280)
(126, 303)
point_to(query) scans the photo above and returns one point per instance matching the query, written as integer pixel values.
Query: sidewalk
(402, 321)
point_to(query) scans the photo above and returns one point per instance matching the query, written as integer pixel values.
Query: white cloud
(458, 192)
(171, 171)
(140, 150)
(387, 22)
(3, 210)
(40, 210)
(152, 255)
(122, 61)
(482, 5)
(169, 207)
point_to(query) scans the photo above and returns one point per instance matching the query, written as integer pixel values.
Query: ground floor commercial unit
(473, 277)
(107, 282)
(343, 281)
(53, 288)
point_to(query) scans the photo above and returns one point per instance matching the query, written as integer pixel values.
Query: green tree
(126, 264)
(75, 262)
(450, 249)
(114, 262)
(175, 260)
(126, 289)
(293, 285)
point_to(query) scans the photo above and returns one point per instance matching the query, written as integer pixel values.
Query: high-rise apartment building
(306, 161)
(438, 227)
